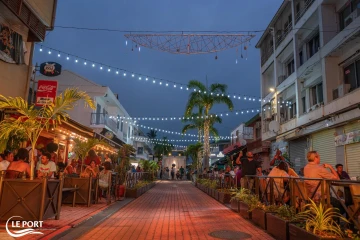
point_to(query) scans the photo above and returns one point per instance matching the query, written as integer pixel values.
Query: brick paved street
(173, 210)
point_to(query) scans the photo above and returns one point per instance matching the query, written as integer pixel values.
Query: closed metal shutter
(352, 152)
(353, 159)
(324, 144)
(298, 149)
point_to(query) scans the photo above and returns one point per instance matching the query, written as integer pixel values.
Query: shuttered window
(352, 152)
(298, 150)
(324, 143)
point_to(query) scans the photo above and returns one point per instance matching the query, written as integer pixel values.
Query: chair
(355, 192)
(12, 174)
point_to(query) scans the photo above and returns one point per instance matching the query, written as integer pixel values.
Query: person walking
(172, 173)
(182, 171)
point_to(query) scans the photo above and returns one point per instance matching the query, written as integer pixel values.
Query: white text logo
(27, 225)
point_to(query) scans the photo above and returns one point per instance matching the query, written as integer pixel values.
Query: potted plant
(277, 224)
(247, 205)
(122, 169)
(258, 214)
(317, 223)
(225, 195)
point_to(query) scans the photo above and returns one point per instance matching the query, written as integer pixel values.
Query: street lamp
(272, 89)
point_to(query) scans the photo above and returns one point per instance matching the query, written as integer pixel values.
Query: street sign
(50, 69)
(46, 92)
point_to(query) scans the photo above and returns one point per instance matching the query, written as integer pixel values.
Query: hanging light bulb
(126, 42)
(41, 49)
(236, 61)
(49, 52)
(59, 55)
(67, 58)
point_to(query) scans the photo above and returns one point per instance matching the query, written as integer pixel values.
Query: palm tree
(124, 154)
(196, 122)
(194, 151)
(152, 134)
(163, 148)
(33, 121)
(207, 97)
(81, 148)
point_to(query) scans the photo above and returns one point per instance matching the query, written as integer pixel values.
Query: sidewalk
(69, 217)
(175, 210)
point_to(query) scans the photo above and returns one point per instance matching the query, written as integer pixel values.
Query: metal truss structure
(190, 43)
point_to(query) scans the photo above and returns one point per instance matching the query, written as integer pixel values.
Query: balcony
(302, 11)
(103, 119)
(266, 55)
(258, 146)
(281, 35)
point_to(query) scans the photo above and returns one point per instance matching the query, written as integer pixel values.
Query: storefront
(350, 140)
(298, 149)
(323, 143)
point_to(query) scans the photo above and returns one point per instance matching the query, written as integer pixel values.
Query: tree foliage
(33, 120)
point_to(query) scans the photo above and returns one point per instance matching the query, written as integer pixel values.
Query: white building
(310, 79)
(104, 119)
(241, 133)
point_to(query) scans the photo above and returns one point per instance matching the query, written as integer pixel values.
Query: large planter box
(277, 227)
(224, 197)
(132, 193)
(258, 216)
(244, 210)
(33, 200)
(297, 233)
(215, 194)
(234, 203)
(84, 195)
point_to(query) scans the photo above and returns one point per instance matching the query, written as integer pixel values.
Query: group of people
(18, 165)
(166, 173)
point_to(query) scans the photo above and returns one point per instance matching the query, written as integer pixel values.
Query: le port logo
(26, 227)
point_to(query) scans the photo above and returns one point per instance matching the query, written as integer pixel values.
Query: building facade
(310, 81)
(259, 148)
(22, 24)
(108, 117)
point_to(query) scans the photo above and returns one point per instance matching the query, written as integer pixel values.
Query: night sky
(148, 99)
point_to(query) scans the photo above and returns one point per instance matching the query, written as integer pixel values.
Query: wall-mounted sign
(109, 135)
(348, 138)
(50, 69)
(46, 92)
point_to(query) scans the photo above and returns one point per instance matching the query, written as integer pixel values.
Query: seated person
(21, 164)
(280, 183)
(71, 168)
(46, 167)
(91, 169)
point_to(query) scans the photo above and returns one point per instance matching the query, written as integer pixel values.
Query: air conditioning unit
(341, 90)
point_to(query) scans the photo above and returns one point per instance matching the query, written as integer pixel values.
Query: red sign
(46, 92)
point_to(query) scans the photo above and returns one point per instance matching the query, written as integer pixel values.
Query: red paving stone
(173, 210)
(69, 217)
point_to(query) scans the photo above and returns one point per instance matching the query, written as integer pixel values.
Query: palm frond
(218, 88)
(195, 84)
(225, 100)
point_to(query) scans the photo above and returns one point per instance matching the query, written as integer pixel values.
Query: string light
(177, 85)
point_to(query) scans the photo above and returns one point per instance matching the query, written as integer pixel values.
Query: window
(258, 132)
(346, 16)
(290, 67)
(129, 132)
(140, 150)
(301, 58)
(118, 122)
(352, 75)
(297, 9)
(303, 101)
(316, 94)
(313, 45)
(292, 110)
(122, 125)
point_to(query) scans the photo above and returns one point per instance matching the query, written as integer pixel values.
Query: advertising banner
(46, 92)
(349, 138)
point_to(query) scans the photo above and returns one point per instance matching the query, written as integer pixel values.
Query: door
(298, 149)
(324, 144)
(97, 115)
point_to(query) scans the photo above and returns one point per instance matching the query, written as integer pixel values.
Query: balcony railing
(258, 144)
(302, 11)
(281, 35)
(103, 119)
(266, 55)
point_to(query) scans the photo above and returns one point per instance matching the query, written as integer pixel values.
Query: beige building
(22, 24)
(310, 81)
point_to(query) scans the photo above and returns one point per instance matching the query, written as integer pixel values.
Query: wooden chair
(300, 194)
(355, 193)
(12, 174)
